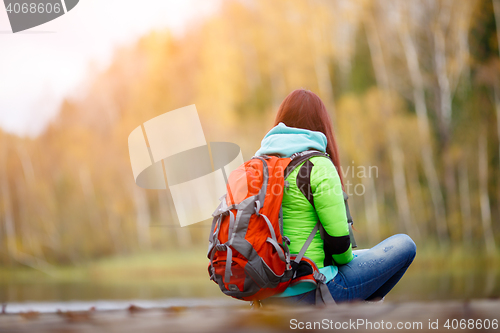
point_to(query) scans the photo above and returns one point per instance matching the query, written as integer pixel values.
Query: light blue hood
(285, 141)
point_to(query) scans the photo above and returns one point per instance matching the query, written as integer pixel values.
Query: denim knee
(407, 245)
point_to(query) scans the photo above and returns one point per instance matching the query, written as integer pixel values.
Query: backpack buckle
(319, 277)
(257, 207)
(221, 247)
(233, 287)
(286, 240)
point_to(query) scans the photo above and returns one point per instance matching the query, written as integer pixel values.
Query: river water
(46, 296)
(54, 306)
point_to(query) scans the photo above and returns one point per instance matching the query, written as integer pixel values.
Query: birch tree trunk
(114, 229)
(25, 196)
(170, 220)
(27, 241)
(23, 199)
(48, 233)
(325, 85)
(166, 222)
(489, 240)
(496, 9)
(13, 251)
(323, 74)
(424, 133)
(8, 217)
(371, 210)
(445, 109)
(465, 204)
(278, 87)
(417, 200)
(143, 218)
(397, 156)
(497, 108)
(91, 203)
(450, 38)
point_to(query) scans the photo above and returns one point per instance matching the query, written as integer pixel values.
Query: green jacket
(299, 217)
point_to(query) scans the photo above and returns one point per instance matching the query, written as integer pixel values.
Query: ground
(361, 317)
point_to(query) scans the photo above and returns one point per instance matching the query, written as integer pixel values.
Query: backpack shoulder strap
(304, 185)
(304, 181)
(298, 158)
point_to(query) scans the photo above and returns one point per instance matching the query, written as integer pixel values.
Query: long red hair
(304, 109)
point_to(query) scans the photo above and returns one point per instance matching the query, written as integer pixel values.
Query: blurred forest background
(413, 88)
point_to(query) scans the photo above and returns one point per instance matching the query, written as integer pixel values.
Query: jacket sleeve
(330, 208)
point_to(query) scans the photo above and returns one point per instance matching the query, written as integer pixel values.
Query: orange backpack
(249, 255)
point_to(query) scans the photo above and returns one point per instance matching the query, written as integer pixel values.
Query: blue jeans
(370, 275)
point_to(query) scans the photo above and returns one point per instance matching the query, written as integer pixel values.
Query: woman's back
(299, 216)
